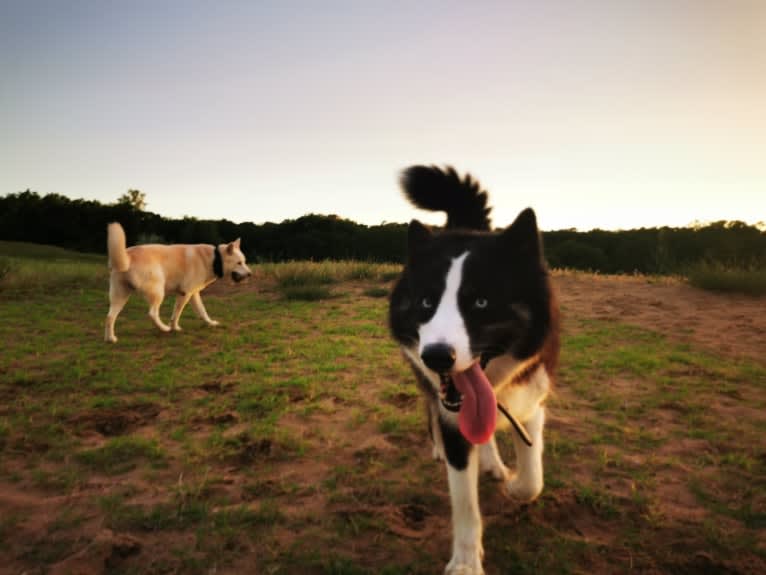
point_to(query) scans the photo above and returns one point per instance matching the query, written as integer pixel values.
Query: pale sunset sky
(610, 114)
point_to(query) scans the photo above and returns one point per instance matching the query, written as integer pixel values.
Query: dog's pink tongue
(479, 408)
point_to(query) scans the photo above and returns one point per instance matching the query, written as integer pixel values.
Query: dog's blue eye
(481, 303)
(426, 303)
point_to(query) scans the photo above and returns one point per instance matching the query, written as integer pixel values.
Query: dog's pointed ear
(523, 236)
(230, 247)
(417, 236)
(236, 243)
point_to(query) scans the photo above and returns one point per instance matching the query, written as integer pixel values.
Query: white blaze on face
(447, 325)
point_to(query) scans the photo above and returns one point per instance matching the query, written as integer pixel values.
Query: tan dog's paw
(498, 472)
(522, 491)
(213, 323)
(466, 565)
(466, 559)
(462, 570)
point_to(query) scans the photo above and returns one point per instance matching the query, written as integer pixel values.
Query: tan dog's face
(234, 264)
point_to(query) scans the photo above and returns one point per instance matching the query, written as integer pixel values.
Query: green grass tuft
(296, 274)
(306, 292)
(376, 292)
(121, 454)
(290, 274)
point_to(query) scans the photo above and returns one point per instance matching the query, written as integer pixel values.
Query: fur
(468, 295)
(155, 270)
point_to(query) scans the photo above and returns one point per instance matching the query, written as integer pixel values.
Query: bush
(720, 278)
(6, 267)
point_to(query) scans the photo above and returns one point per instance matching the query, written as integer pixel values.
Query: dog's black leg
(456, 447)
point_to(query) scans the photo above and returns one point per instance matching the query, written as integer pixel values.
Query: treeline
(658, 250)
(81, 225)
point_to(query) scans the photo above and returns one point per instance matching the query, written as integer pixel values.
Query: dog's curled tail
(119, 259)
(442, 190)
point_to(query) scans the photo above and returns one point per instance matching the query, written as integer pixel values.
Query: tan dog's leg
(155, 298)
(181, 302)
(118, 297)
(527, 483)
(199, 307)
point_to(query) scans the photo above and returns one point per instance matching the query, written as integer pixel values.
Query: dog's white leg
(178, 308)
(118, 297)
(199, 307)
(528, 481)
(467, 550)
(155, 301)
(491, 462)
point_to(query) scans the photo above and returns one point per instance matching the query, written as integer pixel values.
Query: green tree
(135, 198)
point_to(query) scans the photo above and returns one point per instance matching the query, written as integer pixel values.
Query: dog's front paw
(466, 560)
(463, 565)
(110, 339)
(523, 491)
(213, 323)
(177, 328)
(463, 570)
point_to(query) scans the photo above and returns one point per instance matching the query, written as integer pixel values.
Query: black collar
(217, 262)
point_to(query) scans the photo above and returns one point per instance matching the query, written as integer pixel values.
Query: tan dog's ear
(230, 248)
(236, 243)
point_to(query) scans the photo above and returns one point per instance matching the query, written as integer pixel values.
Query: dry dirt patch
(732, 325)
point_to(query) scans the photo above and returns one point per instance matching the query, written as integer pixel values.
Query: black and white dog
(475, 316)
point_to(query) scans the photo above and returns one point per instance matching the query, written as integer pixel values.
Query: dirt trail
(732, 325)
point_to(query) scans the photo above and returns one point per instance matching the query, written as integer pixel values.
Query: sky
(598, 114)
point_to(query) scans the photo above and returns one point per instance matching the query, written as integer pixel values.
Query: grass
(328, 272)
(306, 292)
(29, 252)
(376, 292)
(726, 279)
(291, 439)
(31, 268)
(311, 281)
(121, 454)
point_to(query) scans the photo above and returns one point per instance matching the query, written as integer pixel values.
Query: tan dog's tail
(119, 259)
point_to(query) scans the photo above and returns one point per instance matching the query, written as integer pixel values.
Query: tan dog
(155, 270)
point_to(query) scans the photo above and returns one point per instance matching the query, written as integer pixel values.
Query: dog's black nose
(439, 356)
